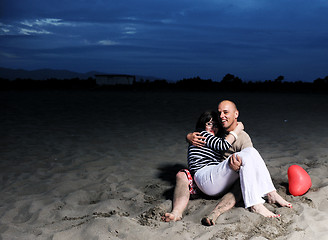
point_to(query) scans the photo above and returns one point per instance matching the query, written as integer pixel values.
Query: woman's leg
(180, 198)
(215, 179)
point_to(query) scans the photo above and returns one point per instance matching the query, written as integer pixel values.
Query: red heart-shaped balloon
(299, 180)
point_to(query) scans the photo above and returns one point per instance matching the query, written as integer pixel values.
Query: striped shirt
(210, 154)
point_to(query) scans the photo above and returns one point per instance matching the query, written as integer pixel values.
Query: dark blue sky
(254, 40)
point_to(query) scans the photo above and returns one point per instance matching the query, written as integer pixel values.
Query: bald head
(228, 102)
(228, 114)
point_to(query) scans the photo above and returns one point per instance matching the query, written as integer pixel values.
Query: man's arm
(244, 141)
(195, 139)
(235, 162)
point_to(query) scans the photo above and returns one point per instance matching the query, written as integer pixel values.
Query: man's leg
(256, 181)
(227, 202)
(180, 198)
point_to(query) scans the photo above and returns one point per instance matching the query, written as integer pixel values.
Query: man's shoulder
(243, 135)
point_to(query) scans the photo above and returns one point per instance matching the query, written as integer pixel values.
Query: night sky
(254, 40)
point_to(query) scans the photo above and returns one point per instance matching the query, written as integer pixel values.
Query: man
(228, 114)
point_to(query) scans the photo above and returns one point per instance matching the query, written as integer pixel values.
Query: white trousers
(255, 179)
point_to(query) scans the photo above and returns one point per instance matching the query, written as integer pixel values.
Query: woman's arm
(230, 138)
(198, 140)
(216, 143)
(233, 135)
(220, 144)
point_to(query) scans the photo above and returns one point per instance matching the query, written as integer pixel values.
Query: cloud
(107, 43)
(5, 29)
(8, 55)
(130, 30)
(45, 22)
(33, 26)
(33, 31)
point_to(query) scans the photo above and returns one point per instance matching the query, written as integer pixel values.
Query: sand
(101, 165)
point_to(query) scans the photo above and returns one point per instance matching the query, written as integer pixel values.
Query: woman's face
(211, 127)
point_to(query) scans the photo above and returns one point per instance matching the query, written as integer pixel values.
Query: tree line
(228, 83)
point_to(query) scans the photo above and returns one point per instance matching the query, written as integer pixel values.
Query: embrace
(222, 160)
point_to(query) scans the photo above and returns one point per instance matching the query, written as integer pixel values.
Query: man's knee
(251, 151)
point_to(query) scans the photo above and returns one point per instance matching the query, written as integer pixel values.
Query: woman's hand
(235, 162)
(196, 139)
(239, 128)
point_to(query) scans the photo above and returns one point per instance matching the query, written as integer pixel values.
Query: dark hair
(206, 117)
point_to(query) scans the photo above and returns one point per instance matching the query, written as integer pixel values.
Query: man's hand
(235, 162)
(196, 139)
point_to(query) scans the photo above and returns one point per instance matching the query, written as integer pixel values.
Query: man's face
(228, 115)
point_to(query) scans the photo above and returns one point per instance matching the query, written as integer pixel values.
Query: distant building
(114, 79)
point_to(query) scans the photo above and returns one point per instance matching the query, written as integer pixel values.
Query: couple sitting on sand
(216, 163)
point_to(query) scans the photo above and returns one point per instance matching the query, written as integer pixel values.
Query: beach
(102, 164)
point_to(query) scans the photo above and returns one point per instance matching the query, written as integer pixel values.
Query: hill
(44, 74)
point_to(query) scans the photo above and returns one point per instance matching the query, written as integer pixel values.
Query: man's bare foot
(261, 209)
(274, 197)
(210, 219)
(171, 217)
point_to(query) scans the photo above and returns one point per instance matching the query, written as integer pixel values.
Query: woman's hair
(206, 117)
